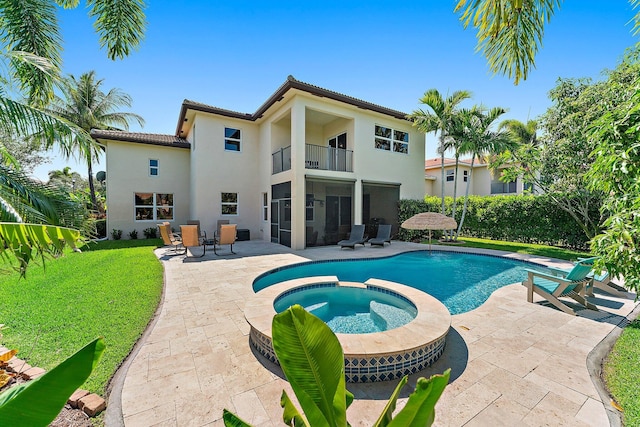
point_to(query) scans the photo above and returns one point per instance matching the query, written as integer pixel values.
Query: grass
(111, 289)
(622, 373)
(522, 248)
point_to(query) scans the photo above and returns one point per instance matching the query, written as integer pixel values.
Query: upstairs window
(232, 139)
(153, 167)
(450, 175)
(229, 203)
(391, 140)
(465, 176)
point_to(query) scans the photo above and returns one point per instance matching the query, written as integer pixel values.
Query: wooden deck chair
(355, 238)
(168, 237)
(383, 235)
(191, 238)
(603, 282)
(227, 236)
(570, 284)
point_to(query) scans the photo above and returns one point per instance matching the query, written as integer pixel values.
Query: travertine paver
(513, 363)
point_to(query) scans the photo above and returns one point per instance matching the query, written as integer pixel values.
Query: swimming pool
(462, 281)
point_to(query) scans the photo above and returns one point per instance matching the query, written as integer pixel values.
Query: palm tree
(439, 120)
(524, 153)
(31, 46)
(84, 104)
(474, 128)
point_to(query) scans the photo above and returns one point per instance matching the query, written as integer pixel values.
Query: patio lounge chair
(201, 233)
(384, 235)
(561, 284)
(227, 236)
(191, 238)
(355, 238)
(168, 237)
(601, 281)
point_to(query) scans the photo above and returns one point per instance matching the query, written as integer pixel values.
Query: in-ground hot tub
(373, 355)
(349, 309)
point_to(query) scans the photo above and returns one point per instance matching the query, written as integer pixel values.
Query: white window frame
(450, 175)
(223, 204)
(391, 143)
(265, 207)
(232, 140)
(154, 206)
(156, 167)
(465, 176)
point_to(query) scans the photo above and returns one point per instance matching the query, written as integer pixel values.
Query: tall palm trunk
(455, 192)
(92, 189)
(466, 198)
(442, 175)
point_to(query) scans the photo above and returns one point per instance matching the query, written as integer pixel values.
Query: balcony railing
(328, 158)
(281, 160)
(315, 157)
(503, 187)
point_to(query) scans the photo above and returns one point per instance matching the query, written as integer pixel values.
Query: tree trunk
(455, 192)
(466, 197)
(92, 190)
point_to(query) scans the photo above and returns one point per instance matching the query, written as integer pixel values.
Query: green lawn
(523, 248)
(622, 373)
(111, 289)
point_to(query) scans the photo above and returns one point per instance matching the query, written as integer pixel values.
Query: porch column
(357, 202)
(297, 181)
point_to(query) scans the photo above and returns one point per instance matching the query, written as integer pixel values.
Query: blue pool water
(350, 310)
(460, 281)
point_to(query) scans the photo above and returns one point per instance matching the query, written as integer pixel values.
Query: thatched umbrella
(430, 221)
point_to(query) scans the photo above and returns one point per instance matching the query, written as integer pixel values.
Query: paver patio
(513, 363)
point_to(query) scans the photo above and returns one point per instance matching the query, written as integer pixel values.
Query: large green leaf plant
(313, 362)
(38, 402)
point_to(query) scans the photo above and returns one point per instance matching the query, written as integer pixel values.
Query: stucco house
(483, 181)
(299, 171)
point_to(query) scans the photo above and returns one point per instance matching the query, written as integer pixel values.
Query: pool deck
(512, 362)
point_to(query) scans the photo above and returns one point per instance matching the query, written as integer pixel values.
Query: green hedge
(515, 218)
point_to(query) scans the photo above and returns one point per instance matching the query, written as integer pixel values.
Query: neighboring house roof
(142, 138)
(290, 83)
(437, 162)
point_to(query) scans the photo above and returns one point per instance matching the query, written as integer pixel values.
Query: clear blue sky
(235, 54)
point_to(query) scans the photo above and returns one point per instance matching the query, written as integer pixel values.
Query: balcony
(328, 158)
(503, 187)
(281, 160)
(315, 157)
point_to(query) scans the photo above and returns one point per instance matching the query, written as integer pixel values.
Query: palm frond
(32, 26)
(119, 23)
(509, 32)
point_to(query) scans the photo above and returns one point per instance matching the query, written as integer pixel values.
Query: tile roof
(290, 83)
(435, 163)
(142, 138)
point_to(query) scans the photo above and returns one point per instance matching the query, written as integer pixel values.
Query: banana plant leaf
(26, 241)
(232, 420)
(313, 362)
(419, 410)
(387, 413)
(38, 402)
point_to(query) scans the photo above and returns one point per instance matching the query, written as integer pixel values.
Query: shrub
(116, 234)
(133, 234)
(150, 233)
(516, 218)
(101, 228)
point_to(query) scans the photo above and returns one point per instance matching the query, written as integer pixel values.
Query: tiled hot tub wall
(370, 368)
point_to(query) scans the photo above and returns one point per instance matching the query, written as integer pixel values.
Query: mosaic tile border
(372, 368)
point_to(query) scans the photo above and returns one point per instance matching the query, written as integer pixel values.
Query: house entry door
(337, 218)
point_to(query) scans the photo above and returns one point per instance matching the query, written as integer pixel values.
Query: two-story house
(299, 171)
(483, 181)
